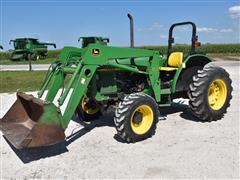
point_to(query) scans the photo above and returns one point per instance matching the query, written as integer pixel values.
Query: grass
(205, 48)
(11, 81)
(51, 56)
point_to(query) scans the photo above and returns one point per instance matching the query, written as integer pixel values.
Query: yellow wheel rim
(217, 94)
(88, 110)
(146, 119)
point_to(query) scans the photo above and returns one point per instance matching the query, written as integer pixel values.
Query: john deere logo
(95, 52)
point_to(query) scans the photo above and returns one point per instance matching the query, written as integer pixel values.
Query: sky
(64, 21)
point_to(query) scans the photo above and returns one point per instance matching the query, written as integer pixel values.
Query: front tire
(88, 110)
(136, 117)
(210, 93)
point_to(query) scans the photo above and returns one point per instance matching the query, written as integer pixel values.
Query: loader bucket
(31, 122)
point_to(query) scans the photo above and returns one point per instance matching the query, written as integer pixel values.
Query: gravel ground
(181, 148)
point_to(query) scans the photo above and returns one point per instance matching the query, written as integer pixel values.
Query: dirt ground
(181, 148)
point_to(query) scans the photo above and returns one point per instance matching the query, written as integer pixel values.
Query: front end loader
(136, 82)
(29, 49)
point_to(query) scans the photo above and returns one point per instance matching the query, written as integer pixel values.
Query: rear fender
(183, 76)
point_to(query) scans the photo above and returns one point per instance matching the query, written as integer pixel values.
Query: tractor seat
(175, 60)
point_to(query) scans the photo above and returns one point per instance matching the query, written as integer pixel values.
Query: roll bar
(194, 36)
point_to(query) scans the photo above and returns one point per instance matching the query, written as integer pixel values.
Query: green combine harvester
(29, 49)
(136, 82)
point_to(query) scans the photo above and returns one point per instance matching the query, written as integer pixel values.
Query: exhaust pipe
(131, 30)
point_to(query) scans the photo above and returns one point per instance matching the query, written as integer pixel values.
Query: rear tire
(136, 117)
(210, 93)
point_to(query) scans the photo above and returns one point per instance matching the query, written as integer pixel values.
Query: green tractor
(135, 82)
(29, 49)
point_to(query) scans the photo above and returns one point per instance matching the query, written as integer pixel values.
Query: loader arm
(86, 68)
(80, 78)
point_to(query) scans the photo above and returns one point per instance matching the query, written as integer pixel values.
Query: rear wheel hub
(217, 94)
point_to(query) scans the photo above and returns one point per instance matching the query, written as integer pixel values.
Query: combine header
(136, 82)
(29, 49)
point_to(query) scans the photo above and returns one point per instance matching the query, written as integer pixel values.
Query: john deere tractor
(29, 49)
(135, 82)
